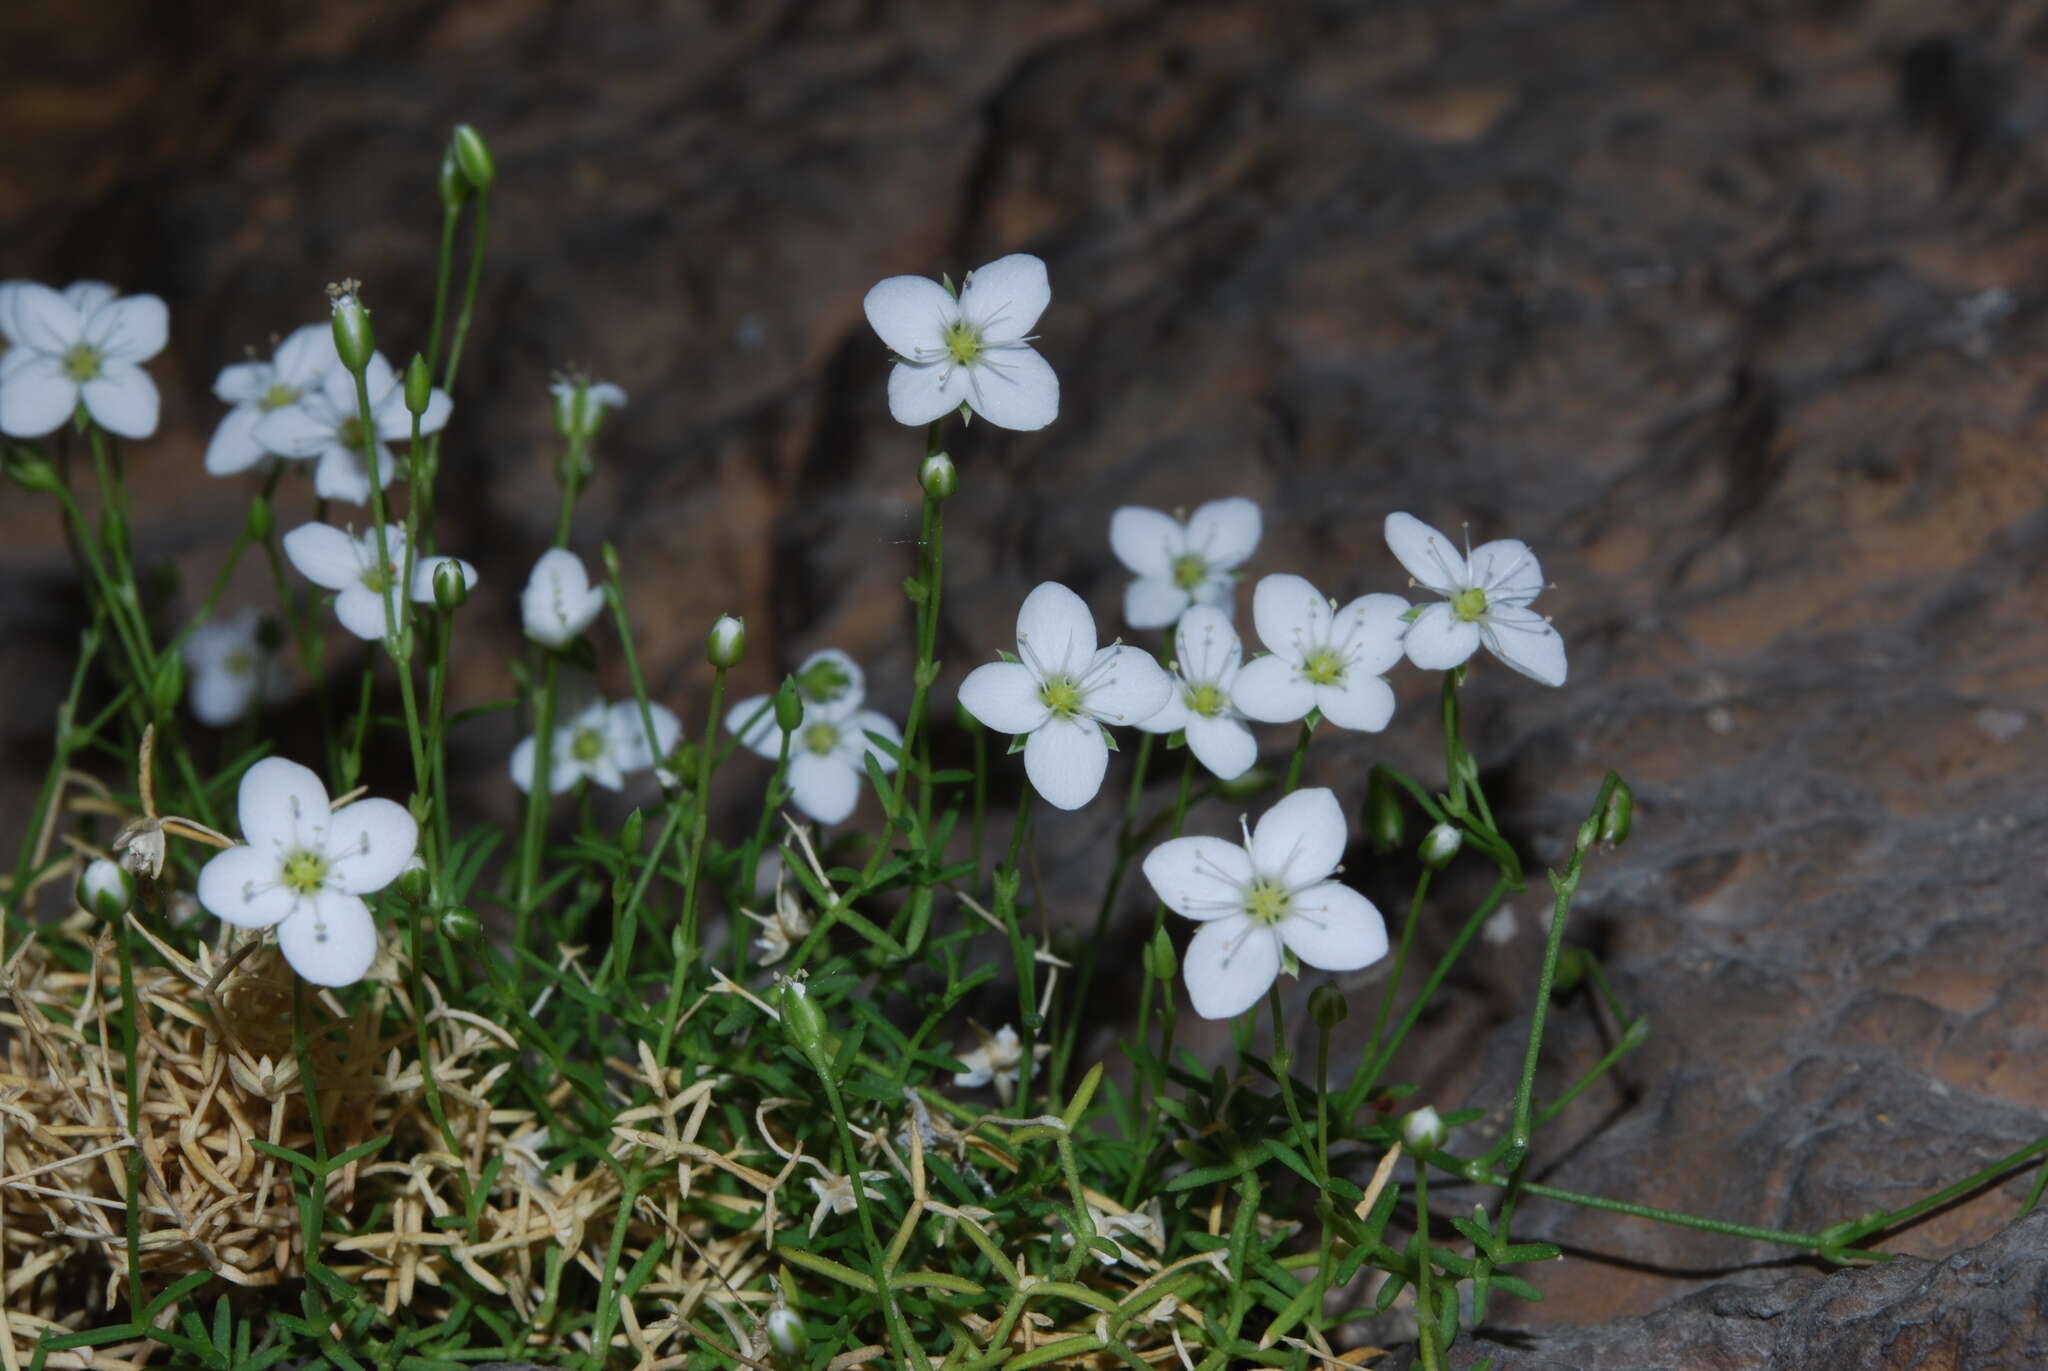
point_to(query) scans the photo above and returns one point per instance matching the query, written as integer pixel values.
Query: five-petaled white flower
(1207, 655)
(1487, 591)
(325, 425)
(304, 868)
(997, 1059)
(973, 349)
(835, 1194)
(84, 346)
(1321, 658)
(1272, 894)
(828, 748)
(559, 602)
(1062, 692)
(329, 557)
(595, 741)
(1181, 564)
(256, 389)
(227, 668)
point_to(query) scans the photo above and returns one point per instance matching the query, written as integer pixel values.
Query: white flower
(304, 869)
(325, 425)
(255, 389)
(580, 405)
(975, 349)
(1271, 894)
(828, 748)
(788, 926)
(998, 1058)
(835, 1194)
(1207, 654)
(1487, 592)
(595, 741)
(227, 668)
(329, 557)
(559, 602)
(1181, 564)
(1322, 658)
(1062, 693)
(85, 346)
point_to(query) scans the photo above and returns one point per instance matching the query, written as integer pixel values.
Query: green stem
(478, 228)
(1022, 955)
(701, 823)
(1379, 1025)
(1300, 755)
(1426, 1323)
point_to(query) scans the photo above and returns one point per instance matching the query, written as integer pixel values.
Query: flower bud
(789, 706)
(169, 686)
(413, 884)
(1618, 815)
(631, 832)
(29, 469)
(419, 386)
(1572, 963)
(1160, 961)
(728, 642)
(451, 587)
(803, 1023)
(1327, 1005)
(788, 1340)
(105, 889)
(460, 924)
(1439, 845)
(1386, 822)
(473, 156)
(1422, 1130)
(260, 521)
(353, 338)
(453, 185)
(938, 476)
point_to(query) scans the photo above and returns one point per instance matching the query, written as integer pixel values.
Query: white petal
(825, 788)
(521, 766)
(1292, 617)
(423, 570)
(295, 431)
(1432, 559)
(364, 614)
(1507, 571)
(854, 744)
(368, 844)
(1066, 760)
(1207, 647)
(121, 399)
(1125, 685)
(283, 807)
(341, 474)
(394, 420)
(1224, 533)
(1438, 639)
(920, 393)
(632, 747)
(1369, 633)
(1218, 591)
(304, 358)
(910, 314)
(220, 697)
(759, 712)
(1229, 965)
(10, 291)
(1172, 716)
(1200, 878)
(851, 687)
(325, 555)
(44, 320)
(1359, 702)
(1525, 640)
(233, 447)
(1005, 697)
(604, 770)
(1153, 602)
(1222, 744)
(1055, 631)
(1300, 840)
(1014, 388)
(1271, 690)
(1146, 540)
(1005, 298)
(559, 602)
(36, 397)
(242, 383)
(330, 942)
(88, 296)
(133, 329)
(1333, 927)
(240, 886)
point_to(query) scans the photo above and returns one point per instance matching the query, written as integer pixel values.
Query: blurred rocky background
(1738, 312)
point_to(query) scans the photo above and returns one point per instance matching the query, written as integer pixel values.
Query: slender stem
(131, 1034)
(398, 597)
(1300, 755)
(1022, 955)
(700, 825)
(537, 795)
(1379, 1025)
(478, 228)
(1425, 1321)
(443, 270)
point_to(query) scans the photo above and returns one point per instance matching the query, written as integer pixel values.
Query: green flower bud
(728, 642)
(453, 185)
(105, 889)
(419, 386)
(1327, 1005)
(789, 706)
(938, 477)
(1423, 1131)
(1571, 969)
(1161, 963)
(414, 885)
(451, 587)
(1618, 815)
(260, 520)
(803, 1023)
(169, 686)
(1386, 822)
(631, 832)
(460, 924)
(610, 556)
(788, 1339)
(1439, 845)
(29, 469)
(353, 337)
(473, 156)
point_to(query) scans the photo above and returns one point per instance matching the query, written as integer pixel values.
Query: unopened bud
(1572, 963)
(1160, 960)
(1422, 1130)
(453, 185)
(803, 1023)
(169, 686)
(451, 587)
(353, 338)
(105, 889)
(1327, 1005)
(29, 469)
(473, 156)
(460, 924)
(260, 521)
(414, 884)
(938, 476)
(1618, 815)
(789, 706)
(1439, 845)
(728, 642)
(419, 386)
(788, 1340)
(1386, 822)
(631, 832)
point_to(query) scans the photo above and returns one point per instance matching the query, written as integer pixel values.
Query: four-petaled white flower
(1181, 564)
(1272, 894)
(559, 602)
(256, 389)
(325, 425)
(303, 868)
(595, 741)
(828, 747)
(1207, 655)
(329, 557)
(973, 349)
(227, 669)
(1321, 658)
(1487, 591)
(1062, 692)
(84, 346)
(997, 1059)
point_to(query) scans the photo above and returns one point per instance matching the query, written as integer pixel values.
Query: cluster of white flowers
(366, 585)
(595, 741)
(829, 747)
(80, 348)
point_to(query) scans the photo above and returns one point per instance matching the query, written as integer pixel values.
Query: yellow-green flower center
(1469, 604)
(587, 746)
(1061, 695)
(1189, 571)
(82, 363)
(304, 872)
(963, 341)
(1207, 701)
(821, 738)
(240, 662)
(1323, 667)
(379, 579)
(279, 395)
(350, 434)
(823, 681)
(1266, 902)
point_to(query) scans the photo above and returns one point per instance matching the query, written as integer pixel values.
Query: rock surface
(1736, 313)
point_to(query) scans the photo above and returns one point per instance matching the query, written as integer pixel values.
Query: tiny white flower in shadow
(835, 1194)
(596, 742)
(1207, 656)
(348, 564)
(1270, 896)
(84, 346)
(829, 746)
(1062, 693)
(304, 868)
(256, 390)
(559, 602)
(997, 1059)
(1486, 593)
(1321, 658)
(1182, 564)
(228, 667)
(973, 349)
(325, 426)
